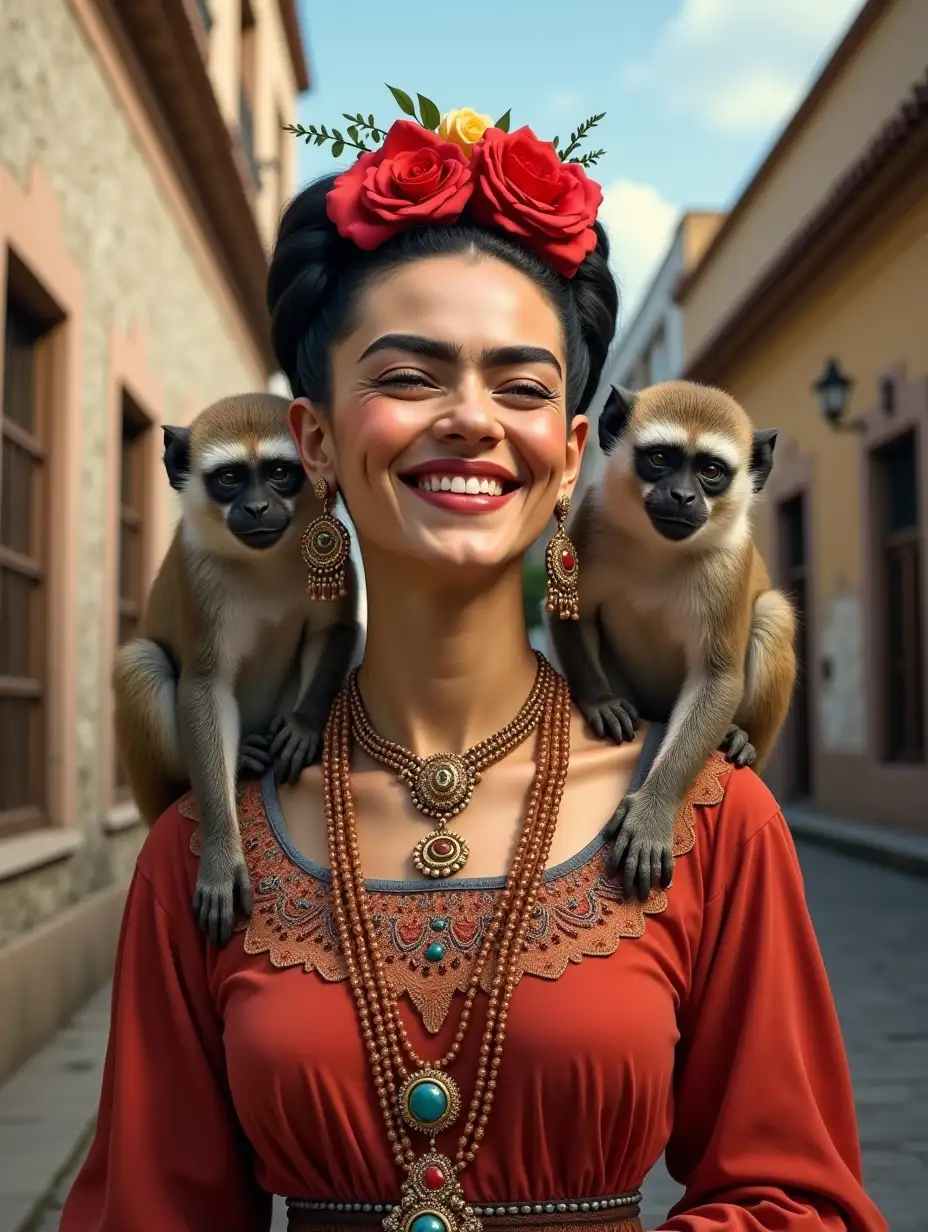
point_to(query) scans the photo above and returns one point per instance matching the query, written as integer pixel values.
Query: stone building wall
(60, 114)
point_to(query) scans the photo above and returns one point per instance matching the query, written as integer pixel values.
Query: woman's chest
(582, 1088)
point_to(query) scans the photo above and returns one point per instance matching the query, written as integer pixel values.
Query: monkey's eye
(711, 471)
(658, 459)
(227, 479)
(280, 473)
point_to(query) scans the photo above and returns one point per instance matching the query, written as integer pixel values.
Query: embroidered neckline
(430, 935)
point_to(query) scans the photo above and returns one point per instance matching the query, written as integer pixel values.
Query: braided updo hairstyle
(316, 278)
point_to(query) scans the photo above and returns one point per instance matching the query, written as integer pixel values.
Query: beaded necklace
(441, 786)
(426, 1098)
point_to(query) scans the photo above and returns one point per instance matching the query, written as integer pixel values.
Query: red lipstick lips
(461, 485)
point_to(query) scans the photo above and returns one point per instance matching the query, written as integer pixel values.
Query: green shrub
(533, 593)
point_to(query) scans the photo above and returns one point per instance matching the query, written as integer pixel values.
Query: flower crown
(432, 169)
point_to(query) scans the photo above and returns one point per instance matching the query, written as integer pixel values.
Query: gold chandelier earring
(562, 568)
(324, 547)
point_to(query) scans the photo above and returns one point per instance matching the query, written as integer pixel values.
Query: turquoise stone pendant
(432, 1200)
(430, 1102)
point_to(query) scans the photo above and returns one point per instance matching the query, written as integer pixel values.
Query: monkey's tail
(145, 688)
(770, 674)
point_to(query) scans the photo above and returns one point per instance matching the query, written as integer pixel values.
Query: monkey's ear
(177, 456)
(614, 417)
(762, 456)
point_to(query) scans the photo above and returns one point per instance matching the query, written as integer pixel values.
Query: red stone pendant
(432, 1200)
(440, 854)
(433, 1177)
(567, 560)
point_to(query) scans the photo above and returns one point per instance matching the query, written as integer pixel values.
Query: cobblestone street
(872, 923)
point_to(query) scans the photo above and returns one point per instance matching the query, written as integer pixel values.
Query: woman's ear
(577, 436)
(312, 434)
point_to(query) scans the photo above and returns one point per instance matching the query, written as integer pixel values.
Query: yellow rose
(464, 127)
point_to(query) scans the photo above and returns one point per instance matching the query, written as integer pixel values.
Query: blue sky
(695, 91)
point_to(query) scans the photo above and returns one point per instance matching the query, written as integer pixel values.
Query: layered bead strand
(385, 1036)
(502, 913)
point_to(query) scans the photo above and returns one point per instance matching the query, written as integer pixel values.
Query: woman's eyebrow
(450, 352)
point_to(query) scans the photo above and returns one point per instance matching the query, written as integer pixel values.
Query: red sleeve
(168, 1154)
(765, 1133)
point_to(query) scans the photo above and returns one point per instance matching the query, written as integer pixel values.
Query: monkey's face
(255, 497)
(679, 488)
(447, 432)
(684, 465)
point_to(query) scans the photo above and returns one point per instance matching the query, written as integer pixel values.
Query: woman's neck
(444, 666)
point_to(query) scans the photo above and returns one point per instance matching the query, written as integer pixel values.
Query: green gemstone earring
(324, 547)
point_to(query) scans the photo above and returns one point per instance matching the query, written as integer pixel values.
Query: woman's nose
(471, 418)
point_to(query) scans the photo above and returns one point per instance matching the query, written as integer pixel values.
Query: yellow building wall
(871, 312)
(867, 92)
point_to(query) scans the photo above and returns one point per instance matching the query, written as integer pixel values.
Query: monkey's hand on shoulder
(254, 756)
(737, 747)
(612, 718)
(294, 744)
(643, 827)
(222, 880)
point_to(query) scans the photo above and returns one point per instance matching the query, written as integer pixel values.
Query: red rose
(521, 186)
(414, 177)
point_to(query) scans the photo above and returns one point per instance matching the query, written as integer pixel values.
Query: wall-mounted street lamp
(833, 390)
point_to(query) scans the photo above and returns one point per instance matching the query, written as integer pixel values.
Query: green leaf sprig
(360, 131)
(591, 157)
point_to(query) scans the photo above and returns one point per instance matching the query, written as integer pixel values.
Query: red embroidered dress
(701, 1021)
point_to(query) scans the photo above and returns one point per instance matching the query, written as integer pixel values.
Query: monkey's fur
(236, 667)
(678, 620)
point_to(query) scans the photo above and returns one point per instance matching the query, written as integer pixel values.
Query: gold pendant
(440, 854)
(432, 1200)
(443, 785)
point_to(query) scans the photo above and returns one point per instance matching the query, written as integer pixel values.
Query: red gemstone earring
(563, 568)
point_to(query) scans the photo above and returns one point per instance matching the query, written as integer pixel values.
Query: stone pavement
(872, 924)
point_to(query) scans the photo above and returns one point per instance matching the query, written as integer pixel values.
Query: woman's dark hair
(316, 278)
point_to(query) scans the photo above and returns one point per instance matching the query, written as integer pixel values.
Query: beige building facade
(142, 172)
(825, 259)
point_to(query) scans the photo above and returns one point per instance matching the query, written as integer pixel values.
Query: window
(247, 84)
(23, 507)
(899, 548)
(793, 538)
(133, 540)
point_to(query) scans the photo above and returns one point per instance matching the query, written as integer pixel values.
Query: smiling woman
(385, 1040)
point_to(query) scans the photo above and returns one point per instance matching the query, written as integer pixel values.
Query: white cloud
(741, 65)
(640, 225)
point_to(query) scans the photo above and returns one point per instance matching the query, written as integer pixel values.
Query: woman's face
(448, 433)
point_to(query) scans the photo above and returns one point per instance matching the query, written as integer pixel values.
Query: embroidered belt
(616, 1213)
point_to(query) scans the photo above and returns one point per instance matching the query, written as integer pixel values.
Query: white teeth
(458, 484)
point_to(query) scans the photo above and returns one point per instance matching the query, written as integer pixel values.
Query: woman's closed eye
(404, 383)
(527, 391)
(405, 379)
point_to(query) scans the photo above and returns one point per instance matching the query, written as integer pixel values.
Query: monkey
(235, 667)
(679, 623)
